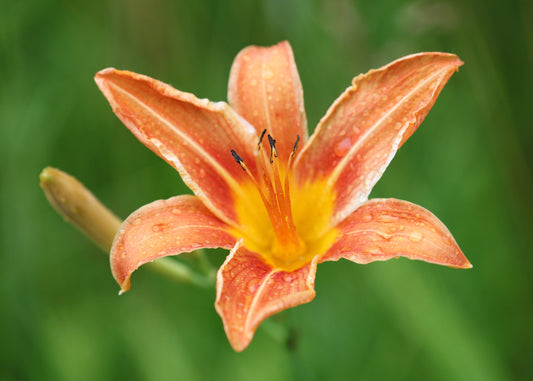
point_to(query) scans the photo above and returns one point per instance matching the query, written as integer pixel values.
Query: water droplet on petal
(373, 251)
(386, 218)
(288, 277)
(175, 211)
(136, 221)
(268, 74)
(159, 227)
(253, 285)
(367, 218)
(196, 160)
(343, 147)
(202, 172)
(416, 236)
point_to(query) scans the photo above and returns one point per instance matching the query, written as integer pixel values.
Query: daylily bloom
(281, 201)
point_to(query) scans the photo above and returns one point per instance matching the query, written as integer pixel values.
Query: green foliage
(470, 164)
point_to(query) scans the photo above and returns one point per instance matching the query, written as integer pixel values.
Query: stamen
(261, 139)
(295, 146)
(275, 195)
(238, 159)
(273, 151)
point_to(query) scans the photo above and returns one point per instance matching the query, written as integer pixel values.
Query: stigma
(271, 181)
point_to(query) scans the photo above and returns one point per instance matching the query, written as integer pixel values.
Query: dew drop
(395, 228)
(268, 74)
(387, 218)
(342, 148)
(416, 236)
(288, 277)
(196, 160)
(367, 218)
(175, 211)
(202, 172)
(373, 251)
(159, 227)
(136, 221)
(253, 285)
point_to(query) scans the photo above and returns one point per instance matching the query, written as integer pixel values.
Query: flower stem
(71, 199)
(180, 272)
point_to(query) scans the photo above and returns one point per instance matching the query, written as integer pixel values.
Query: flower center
(272, 185)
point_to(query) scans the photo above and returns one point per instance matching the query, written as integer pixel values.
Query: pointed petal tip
(99, 77)
(240, 344)
(462, 264)
(105, 71)
(125, 285)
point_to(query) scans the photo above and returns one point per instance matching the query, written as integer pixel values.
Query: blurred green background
(470, 163)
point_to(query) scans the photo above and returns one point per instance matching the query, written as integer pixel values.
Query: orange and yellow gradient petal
(361, 132)
(193, 135)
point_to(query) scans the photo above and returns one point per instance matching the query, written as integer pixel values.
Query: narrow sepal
(382, 229)
(162, 228)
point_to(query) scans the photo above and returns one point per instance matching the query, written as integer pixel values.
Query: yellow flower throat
(287, 234)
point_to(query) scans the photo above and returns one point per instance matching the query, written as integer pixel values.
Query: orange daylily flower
(281, 201)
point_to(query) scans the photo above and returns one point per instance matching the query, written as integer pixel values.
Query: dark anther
(295, 145)
(261, 139)
(273, 152)
(238, 159)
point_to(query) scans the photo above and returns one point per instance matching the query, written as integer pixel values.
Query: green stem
(179, 272)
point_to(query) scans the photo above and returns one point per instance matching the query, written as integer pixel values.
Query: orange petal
(385, 228)
(264, 87)
(363, 129)
(193, 135)
(249, 290)
(165, 227)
